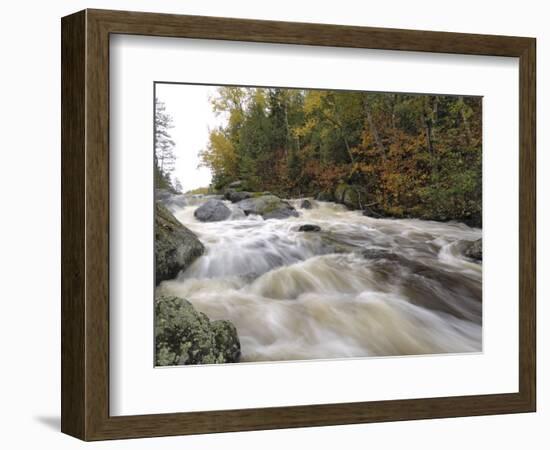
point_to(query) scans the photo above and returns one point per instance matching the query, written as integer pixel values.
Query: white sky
(192, 115)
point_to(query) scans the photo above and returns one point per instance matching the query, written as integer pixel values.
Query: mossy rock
(339, 192)
(268, 206)
(176, 247)
(353, 196)
(185, 336)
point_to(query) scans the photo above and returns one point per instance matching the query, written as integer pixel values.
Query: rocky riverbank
(251, 280)
(185, 336)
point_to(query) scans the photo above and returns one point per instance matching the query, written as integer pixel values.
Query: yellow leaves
(306, 129)
(220, 156)
(312, 101)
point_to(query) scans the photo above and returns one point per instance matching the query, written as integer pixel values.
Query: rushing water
(360, 287)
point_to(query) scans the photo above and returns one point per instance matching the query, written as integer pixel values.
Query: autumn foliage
(412, 155)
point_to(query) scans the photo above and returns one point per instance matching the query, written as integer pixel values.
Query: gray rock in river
(176, 247)
(162, 194)
(212, 211)
(324, 196)
(268, 206)
(474, 250)
(185, 336)
(237, 196)
(306, 204)
(172, 201)
(309, 227)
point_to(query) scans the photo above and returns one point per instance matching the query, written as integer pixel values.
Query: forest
(392, 154)
(283, 256)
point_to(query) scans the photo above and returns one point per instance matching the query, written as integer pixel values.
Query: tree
(413, 155)
(165, 157)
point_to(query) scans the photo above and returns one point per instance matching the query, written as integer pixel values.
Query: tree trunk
(465, 120)
(373, 129)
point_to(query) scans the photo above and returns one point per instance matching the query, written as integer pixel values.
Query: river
(361, 287)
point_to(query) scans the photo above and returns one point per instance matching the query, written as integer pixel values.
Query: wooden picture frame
(85, 224)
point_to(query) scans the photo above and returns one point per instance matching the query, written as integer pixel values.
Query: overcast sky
(192, 115)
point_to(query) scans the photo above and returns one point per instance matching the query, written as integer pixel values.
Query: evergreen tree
(165, 158)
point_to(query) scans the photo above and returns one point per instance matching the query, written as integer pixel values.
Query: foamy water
(360, 287)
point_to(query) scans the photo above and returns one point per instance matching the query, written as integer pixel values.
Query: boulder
(185, 336)
(306, 204)
(309, 227)
(176, 247)
(474, 250)
(212, 211)
(339, 192)
(352, 196)
(237, 196)
(172, 201)
(267, 206)
(162, 194)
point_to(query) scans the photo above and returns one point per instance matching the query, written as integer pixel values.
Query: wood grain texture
(73, 226)
(85, 224)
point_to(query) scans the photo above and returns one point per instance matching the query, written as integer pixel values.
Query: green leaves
(416, 155)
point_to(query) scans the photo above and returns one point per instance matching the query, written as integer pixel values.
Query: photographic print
(301, 224)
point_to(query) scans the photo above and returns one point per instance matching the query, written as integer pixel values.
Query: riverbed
(360, 287)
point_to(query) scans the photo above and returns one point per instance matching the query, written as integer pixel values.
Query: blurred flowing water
(360, 287)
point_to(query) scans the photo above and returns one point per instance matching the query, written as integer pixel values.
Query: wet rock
(370, 212)
(162, 194)
(172, 201)
(474, 250)
(176, 247)
(185, 336)
(268, 206)
(426, 285)
(306, 204)
(237, 196)
(212, 211)
(376, 253)
(309, 227)
(334, 243)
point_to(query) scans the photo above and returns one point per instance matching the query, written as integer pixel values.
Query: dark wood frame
(85, 224)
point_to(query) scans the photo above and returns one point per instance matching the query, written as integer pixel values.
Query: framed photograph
(272, 225)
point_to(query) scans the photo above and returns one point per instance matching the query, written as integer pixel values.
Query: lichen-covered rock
(185, 336)
(268, 206)
(474, 250)
(212, 211)
(176, 247)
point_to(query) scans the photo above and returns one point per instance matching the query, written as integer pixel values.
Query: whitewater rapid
(361, 287)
